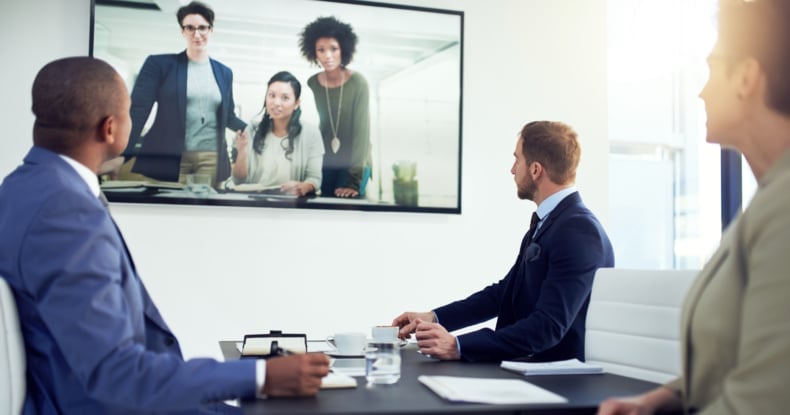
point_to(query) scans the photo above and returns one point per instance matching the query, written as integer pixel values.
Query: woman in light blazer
(735, 324)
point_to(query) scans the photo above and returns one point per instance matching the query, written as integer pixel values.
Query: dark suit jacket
(163, 79)
(541, 304)
(95, 343)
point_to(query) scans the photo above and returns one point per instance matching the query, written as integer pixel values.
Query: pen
(279, 351)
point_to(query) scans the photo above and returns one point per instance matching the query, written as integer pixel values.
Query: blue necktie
(533, 225)
(103, 199)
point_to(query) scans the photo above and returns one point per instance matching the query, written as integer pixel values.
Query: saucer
(343, 355)
(400, 342)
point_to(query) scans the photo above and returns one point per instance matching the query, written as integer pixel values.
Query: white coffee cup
(349, 343)
(384, 333)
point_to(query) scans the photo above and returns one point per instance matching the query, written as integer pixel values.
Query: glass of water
(382, 363)
(199, 184)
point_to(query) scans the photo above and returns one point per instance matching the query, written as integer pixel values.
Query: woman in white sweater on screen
(283, 153)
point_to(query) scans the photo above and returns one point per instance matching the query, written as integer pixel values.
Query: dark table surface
(409, 396)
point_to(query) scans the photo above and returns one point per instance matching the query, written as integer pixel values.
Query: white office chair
(12, 355)
(633, 322)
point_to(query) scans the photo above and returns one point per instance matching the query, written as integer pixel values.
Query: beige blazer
(735, 327)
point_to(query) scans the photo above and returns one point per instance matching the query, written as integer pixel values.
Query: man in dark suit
(541, 304)
(95, 343)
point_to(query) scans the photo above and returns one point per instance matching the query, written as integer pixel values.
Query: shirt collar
(87, 175)
(552, 201)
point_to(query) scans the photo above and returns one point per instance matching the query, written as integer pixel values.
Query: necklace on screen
(204, 101)
(335, 143)
(202, 92)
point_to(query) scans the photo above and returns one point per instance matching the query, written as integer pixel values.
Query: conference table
(409, 396)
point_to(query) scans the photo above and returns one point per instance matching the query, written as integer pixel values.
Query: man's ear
(106, 130)
(749, 77)
(535, 169)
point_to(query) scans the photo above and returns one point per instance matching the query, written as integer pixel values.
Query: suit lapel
(514, 284)
(150, 310)
(692, 299)
(219, 77)
(222, 113)
(181, 80)
(571, 200)
(41, 156)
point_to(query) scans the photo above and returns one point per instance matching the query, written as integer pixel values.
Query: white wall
(217, 273)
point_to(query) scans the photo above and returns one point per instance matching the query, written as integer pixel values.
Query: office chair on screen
(12, 355)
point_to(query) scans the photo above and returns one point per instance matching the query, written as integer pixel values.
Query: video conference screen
(379, 132)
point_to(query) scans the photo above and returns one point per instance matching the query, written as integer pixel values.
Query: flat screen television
(411, 58)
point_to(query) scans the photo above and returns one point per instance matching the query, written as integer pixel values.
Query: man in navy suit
(541, 304)
(95, 343)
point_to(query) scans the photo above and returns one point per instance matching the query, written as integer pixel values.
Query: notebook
(494, 391)
(560, 367)
(336, 380)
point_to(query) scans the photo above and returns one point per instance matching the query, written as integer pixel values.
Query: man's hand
(435, 341)
(407, 322)
(111, 167)
(295, 375)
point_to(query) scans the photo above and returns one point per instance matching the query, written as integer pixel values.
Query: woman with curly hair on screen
(342, 100)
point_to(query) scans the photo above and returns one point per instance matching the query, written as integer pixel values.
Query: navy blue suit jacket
(541, 304)
(163, 79)
(95, 343)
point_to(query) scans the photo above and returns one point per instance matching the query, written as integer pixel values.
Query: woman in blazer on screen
(194, 97)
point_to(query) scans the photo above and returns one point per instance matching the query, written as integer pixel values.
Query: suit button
(170, 341)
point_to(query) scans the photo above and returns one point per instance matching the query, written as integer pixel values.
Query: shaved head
(71, 98)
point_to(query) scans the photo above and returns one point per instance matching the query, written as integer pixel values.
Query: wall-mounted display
(319, 104)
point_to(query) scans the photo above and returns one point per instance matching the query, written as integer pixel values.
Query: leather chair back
(633, 322)
(12, 354)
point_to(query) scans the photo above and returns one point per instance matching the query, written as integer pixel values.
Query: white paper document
(348, 367)
(335, 380)
(493, 391)
(560, 367)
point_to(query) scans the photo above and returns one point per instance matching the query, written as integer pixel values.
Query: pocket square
(533, 252)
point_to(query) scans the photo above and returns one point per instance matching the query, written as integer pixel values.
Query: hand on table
(658, 399)
(407, 322)
(435, 341)
(297, 188)
(346, 192)
(111, 167)
(295, 375)
(622, 406)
